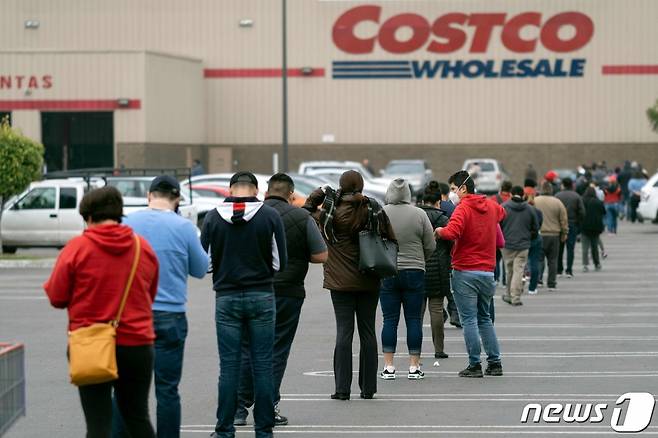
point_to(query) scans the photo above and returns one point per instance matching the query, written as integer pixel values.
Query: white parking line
(530, 374)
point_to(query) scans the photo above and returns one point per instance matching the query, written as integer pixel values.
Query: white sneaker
(532, 292)
(388, 373)
(415, 374)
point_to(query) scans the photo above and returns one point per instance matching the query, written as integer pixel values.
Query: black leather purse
(377, 255)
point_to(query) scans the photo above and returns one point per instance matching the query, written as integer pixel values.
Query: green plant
(652, 114)
(21, 162)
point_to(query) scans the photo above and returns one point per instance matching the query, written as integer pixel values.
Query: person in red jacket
(473, 227)
(88, 280)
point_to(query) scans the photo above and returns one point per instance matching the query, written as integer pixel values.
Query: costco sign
(455, 31)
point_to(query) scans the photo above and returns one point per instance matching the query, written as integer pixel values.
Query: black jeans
(131, 390)
(570, 246)
(363, 304)
(288, 310)
(551, 249)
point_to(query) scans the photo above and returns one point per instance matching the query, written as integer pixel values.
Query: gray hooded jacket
(411, 225)
(520, 226)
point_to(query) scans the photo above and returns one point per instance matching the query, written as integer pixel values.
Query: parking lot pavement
(593, 340)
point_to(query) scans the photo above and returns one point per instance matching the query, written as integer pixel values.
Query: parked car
(648, 208)
(488, 174)
(333, 169)
(224, 180)
(46, 214)
(416, 172)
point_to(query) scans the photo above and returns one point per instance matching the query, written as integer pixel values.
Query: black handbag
(377, 256)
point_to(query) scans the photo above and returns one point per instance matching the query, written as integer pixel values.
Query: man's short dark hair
(102, 204)
(432, 194)
(280, 184)
(444, 188)
(567, 183)
(462, 178)
(517, 191)
(166, 195)
(529, 182)
(506, 186)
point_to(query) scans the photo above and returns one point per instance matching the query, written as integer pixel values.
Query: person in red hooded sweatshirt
(473, 227)
(88, 280)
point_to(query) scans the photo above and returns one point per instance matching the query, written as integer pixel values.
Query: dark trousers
(633, 204)
(363, 305)
(288, 310)
(551, 248)
(534, 259)
(570, 245)
(170, 333)
(235, 314)
(591, 242)
(452, 308)
(135, 365)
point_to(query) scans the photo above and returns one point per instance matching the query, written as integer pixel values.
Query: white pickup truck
(46, 214)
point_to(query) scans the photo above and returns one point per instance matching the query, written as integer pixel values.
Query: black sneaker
(279, 420)
(340, 396)
(240, 421)
(367, 396)
(494, 369)
(440, 355)
(416, 375)
(472, 371)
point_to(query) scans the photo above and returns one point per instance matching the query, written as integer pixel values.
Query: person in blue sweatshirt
(247, 244)
(180, 254)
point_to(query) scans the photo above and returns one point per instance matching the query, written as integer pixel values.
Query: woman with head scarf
(343, 214)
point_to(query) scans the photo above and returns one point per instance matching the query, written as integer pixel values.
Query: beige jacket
(555, 216)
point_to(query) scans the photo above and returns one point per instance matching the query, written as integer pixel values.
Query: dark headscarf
(590, 192)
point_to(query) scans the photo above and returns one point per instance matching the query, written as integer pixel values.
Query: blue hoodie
(247, 244)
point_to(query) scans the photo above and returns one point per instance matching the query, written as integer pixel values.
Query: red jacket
(473, 228)
(89, 278)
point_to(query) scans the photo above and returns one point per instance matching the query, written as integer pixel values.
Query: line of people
(258, 253)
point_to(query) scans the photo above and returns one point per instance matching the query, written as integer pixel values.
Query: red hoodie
(89, 278)
(473, 228)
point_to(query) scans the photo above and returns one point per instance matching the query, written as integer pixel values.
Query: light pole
(284, 76)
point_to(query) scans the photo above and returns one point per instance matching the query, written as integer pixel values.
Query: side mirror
(16, 206)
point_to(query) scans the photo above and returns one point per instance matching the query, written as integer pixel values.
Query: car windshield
(138, 188)
(404, 168)
(486, 166)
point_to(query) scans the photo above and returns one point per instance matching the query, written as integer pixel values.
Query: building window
(4, 114)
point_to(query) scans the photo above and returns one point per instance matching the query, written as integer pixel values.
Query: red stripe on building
(71, 105)
(220, 73)
(630, 70)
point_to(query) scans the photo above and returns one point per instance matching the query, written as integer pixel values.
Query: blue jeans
(288, 310)
(534, 260)
(612, 211)
(406, 289)
(170, 334)
(237, 314)
(473, 294)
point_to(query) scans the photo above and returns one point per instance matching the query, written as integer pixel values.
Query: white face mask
(454, 198)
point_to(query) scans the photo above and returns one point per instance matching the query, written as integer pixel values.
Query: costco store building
(153, 83)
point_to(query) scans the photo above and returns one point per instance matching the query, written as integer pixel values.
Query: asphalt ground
(593, 340)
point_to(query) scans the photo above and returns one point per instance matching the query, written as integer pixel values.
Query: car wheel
(9, 249)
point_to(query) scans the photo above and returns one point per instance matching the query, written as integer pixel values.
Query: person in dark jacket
(536, 247)
(304, 244)
(343, 215)
(592, 228)
(575, 214)
(247, 244)
(437, 272)
(520, 229)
